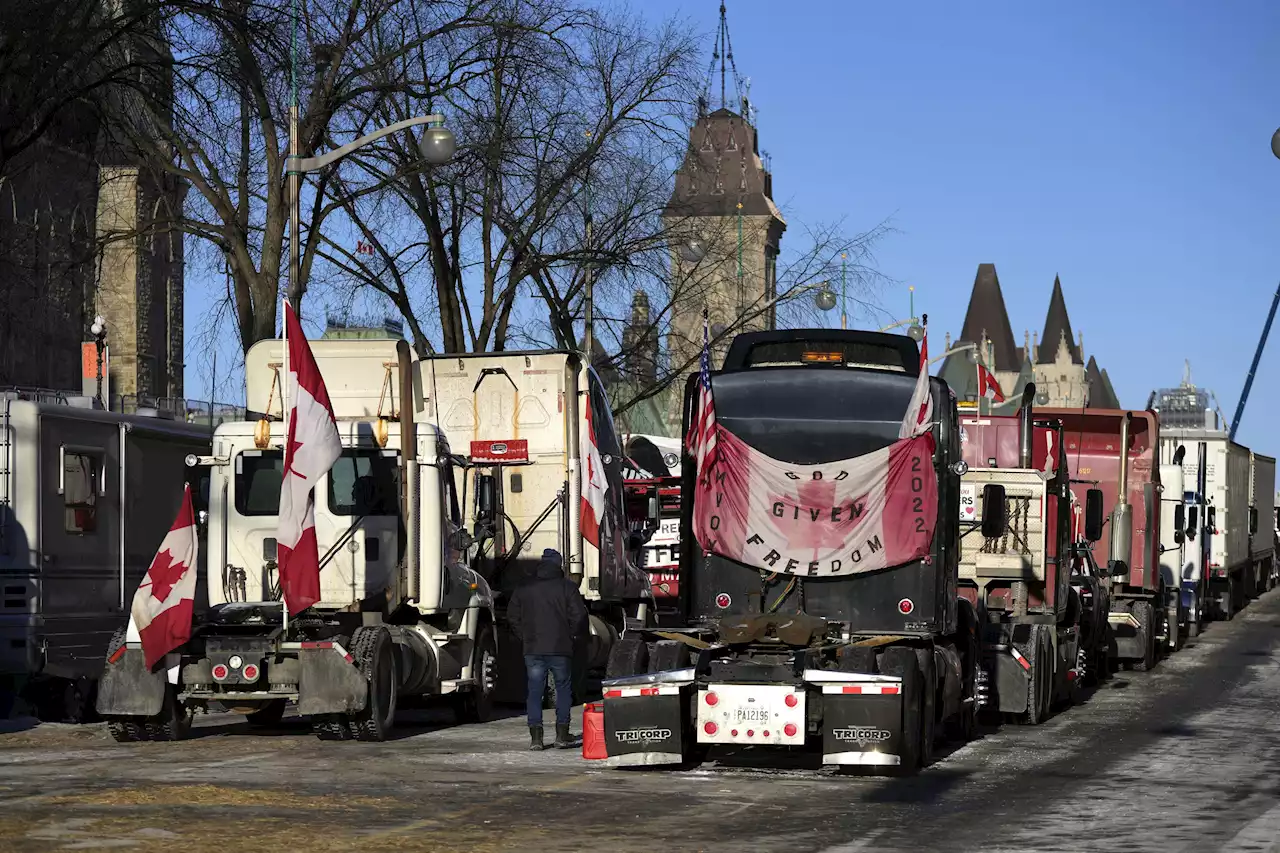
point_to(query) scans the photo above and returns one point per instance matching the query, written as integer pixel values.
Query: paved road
(1185, 758)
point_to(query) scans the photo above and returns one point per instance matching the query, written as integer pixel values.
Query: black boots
(564, 740)
(535, 738)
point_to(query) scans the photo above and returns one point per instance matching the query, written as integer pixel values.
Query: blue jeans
(561, 667)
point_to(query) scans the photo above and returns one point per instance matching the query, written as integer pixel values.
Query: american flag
(702, 432)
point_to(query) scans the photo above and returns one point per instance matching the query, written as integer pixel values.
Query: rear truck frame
(532, 423)
(1129, 480)
(1262, 499)
(1015, 565)
(401, 615)
(892, 661)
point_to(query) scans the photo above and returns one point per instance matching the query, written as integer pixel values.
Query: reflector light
(712, 699)
(850, 689)
(116, 655)
(734, 732)
(250, 672)
(612, 694)
(766, 732)
(889, 691)
(511, 450)
(751, 733)
(905, 606)
(791, 700)
(220, 673)
(789, 730)
(710, 728)
(648, 691)
(821, 357)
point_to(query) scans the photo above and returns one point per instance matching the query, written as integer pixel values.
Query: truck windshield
(365, 482)
(258, 477)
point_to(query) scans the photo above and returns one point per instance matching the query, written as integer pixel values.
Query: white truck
(86, 496)
(401, 613)
(536, 425)
(1175, 548)
(1262, 491)
(1228, 567)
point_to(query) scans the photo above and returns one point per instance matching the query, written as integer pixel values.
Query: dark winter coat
(547, 613)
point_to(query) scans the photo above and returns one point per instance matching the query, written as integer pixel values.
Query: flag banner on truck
(919, 415)
(702, 436)
(594, 484)
(988, 386)
(162, 606)
(837, 518)
(313, 446)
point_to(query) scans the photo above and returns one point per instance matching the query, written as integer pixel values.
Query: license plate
(752, 715)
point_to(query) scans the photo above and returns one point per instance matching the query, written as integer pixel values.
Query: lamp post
(437, 146)
(99, 332)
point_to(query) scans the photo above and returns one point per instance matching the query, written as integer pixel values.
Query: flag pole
(284, 415)
(978, 372)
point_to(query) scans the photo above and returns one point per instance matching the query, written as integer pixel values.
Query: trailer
(864, 667)
(1223, 467)
(1114, 451)
(546, 473)
(1016, 565)
(401, 614)
(85, 499)
(1262, 493)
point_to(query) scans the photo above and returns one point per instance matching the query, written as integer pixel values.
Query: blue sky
(1122, 146)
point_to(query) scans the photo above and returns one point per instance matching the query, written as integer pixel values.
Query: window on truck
(81, 478)
(365, 482)
(257, 485)
(451, 504)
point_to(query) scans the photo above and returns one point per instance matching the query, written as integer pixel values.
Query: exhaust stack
(1122, 514)
(409, 471)
(1202, 473)
(1024, 426)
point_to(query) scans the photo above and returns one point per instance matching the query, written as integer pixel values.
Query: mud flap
(646, 726)
(1127, 640)
(128, 689)
(864, 721)
(330, 683)
(1006, 657)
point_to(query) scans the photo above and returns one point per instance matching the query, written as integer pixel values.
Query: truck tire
(902, 662)
(1144, 612)
(668, 655)
(374, 652)
(268, 715)
(124, 729)
(928, 704)
(330, 727)
(629, 656)
(174, 720)
(476, 705)
(1039, 655)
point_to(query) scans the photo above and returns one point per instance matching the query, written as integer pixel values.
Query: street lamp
(693, 249)
(437, 146)
(1275, 143)
(99, 332)
(971, 350)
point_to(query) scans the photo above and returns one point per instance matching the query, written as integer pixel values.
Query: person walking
(548, 615)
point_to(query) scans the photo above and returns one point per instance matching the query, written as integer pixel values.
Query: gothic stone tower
(1059, 362)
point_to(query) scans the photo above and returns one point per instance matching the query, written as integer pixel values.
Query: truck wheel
(476, 705)
(902, 662)
(668, 655)
(928, 704)
(268, 715)
(1144, 612)
(375, 657)
(1039, 655)
(330, 727)
(629, 656)
(174, 720)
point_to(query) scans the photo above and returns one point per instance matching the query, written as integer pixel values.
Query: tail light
(791, 700)
(790, 730)
(710, 728)
(712, 699)
(250, 672)
(220, 672)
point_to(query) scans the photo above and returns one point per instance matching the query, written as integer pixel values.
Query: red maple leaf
(803, 532)
(290, 454)
(165, 571)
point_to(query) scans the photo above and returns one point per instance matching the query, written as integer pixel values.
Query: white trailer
(401, 614)
(1227, 561)
(86, 496)
(1262, 490)
(1175, 549)
(528, 421)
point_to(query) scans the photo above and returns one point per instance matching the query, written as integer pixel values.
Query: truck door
(359, 526)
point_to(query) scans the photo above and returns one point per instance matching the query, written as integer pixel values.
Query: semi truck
(1223, 467)
(401, 614)
(86, 496)
(865, 668)
(546, 472)
(1176, 544)
(1016, 565)
(1114, 451)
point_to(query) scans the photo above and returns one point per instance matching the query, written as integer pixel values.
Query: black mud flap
(1126, 637)
(646, 728)
(128, 689)
(1005, 655)
(329, 683)
(863, 724)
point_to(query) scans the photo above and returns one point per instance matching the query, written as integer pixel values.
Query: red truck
(1041, 634)
(1115, 450)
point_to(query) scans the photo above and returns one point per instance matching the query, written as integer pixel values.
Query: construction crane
(1257, 356)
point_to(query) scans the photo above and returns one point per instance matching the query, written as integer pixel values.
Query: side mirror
(1193, 522)
(995, 510)
(1093, 515)
(1213, 518)
(1179, 523)
(461, 540)
(1119, 569)
(653, 513)
(1253, 520)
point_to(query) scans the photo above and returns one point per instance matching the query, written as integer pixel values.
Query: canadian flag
(162, 606)
(313, 446)
(988, 386)
(919, 416)
(594, 485)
